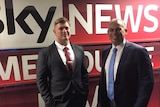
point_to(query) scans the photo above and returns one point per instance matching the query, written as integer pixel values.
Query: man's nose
(64, 29)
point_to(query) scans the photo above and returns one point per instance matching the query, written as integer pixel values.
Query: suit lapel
(122, 59)
(57, 54)
(105, 55)
(58, 58)
(75, 54)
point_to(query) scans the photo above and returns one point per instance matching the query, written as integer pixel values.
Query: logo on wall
(26, 22)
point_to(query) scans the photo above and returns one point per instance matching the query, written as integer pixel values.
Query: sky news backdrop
(27, 26)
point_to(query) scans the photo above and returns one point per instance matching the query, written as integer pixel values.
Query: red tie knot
(65, 49)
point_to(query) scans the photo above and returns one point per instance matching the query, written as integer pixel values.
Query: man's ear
(53, 31)
(126, 30)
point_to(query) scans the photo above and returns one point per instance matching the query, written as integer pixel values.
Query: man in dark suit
(132, 71)
(62, 81)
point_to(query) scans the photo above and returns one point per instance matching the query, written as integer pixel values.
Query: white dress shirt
(62, 54)
(117, 59)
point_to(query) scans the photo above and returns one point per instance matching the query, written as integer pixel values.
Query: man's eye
(61, 28)
(111, 30)
(118, 29)
(66, 28)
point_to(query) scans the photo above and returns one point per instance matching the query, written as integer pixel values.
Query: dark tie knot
(115, 50)
(67, 54)
(65, 49)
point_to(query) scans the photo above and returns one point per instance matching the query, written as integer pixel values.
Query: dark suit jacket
(134, 79)
(53, 79)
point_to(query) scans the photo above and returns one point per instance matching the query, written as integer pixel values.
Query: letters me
(13, 64)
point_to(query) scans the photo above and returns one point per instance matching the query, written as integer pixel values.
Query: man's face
(62, 32)
(116, 32)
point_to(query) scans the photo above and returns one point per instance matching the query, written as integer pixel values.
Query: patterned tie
(111, 75)
(68, 59)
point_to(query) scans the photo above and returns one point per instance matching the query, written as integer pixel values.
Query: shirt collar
(120, 45)
(62, 46)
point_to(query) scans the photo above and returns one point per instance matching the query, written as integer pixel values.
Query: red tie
(68, 59)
